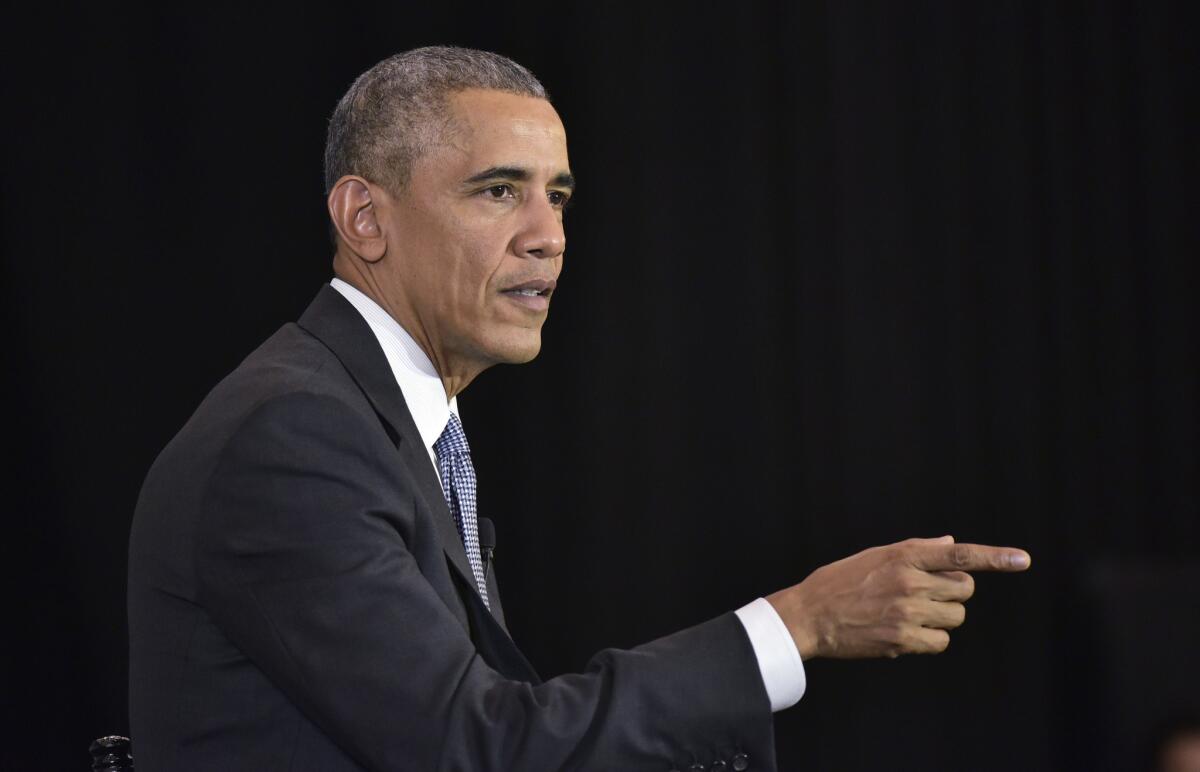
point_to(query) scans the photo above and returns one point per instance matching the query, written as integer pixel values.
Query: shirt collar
(415, 374)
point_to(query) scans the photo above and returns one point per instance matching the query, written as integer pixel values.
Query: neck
(455, 375)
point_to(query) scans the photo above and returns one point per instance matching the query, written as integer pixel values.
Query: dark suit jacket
(299, 599)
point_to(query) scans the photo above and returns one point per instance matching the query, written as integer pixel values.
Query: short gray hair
(382, 123)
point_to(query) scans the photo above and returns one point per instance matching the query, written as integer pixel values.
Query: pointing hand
(886, 601)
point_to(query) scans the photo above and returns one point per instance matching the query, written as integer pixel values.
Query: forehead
(494, 127)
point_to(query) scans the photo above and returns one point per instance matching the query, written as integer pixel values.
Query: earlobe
(356, 218)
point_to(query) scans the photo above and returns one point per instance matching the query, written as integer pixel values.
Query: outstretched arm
(307, 564)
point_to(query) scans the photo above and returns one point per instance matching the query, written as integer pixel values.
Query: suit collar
(335, 322)
(422, 387)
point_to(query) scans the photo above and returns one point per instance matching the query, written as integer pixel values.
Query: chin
(518, 352)
(524, 355)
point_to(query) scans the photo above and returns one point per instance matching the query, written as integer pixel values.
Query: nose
(541, 233)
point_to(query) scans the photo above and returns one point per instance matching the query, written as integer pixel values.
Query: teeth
(527, 292)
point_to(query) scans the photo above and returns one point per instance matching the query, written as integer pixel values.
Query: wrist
(790, 608)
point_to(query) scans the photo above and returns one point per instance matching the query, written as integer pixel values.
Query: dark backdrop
(838, 275)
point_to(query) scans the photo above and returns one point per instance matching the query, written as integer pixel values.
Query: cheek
(481, 265)
(464, 259)
(470, 275)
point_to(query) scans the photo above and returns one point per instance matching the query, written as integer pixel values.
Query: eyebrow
(517, 174)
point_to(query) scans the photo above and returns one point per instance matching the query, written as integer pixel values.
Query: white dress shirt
(778, 659)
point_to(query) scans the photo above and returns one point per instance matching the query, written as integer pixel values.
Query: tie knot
(453, 439)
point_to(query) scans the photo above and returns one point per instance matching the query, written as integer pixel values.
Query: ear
(353, 212)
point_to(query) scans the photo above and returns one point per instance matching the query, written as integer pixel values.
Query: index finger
(968, 557)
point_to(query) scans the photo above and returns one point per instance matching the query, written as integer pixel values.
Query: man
(307, 585)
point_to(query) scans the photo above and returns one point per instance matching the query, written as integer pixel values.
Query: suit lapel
(337, 324)
(491, 637)
(494, 599)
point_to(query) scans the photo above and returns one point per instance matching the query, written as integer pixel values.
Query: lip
(538, 302)
(543, 286)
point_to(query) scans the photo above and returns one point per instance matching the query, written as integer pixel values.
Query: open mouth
(534, 295)
(531, 290)
(529, 293)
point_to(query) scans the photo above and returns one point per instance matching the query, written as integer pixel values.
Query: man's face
(475, 241)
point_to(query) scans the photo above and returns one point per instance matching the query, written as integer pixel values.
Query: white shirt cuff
(778, 658)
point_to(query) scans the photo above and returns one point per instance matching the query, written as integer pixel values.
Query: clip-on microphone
(487, 542)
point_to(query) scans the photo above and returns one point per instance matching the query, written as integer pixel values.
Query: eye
(558, 199)
(499, 191)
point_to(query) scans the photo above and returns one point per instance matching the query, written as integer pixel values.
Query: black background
(838, 275)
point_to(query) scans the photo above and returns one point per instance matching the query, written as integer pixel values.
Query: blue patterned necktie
(458, 484)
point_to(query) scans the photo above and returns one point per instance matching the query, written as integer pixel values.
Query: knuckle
(899, 611)
(893, 635)
(941, 641)
(912, 608)
(960, 556)
(905, 582)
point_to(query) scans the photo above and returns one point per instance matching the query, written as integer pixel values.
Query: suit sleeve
(303, 562)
